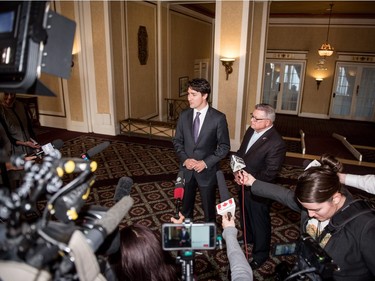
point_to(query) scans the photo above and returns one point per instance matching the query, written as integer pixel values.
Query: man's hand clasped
(192, 164)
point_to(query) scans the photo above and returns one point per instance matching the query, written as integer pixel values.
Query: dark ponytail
(319, 184)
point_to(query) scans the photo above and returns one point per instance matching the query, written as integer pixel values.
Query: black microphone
(178, 192)
(95, 150)
(223, 189)
(123, 188)
(227, 204)
(108, 223)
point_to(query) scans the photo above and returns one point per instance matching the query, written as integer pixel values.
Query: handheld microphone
(178, 192)
(95, 150)
(123, 188)
(228, 205)
(49, 148)
(237, 163)
(308, 164)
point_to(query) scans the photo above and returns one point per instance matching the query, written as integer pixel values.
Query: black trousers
(208, 195)
(256, 222)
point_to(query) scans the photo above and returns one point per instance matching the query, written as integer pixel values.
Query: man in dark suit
(199, 158)
(263, 151)
(184, 238)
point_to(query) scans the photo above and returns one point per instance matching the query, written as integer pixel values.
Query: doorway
(353, 94)
(283, 81)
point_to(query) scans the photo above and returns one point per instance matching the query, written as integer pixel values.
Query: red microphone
(178, 193)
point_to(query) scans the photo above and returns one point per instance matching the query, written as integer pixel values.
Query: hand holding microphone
(178, 192)
(179, 220)
(228, 221)
(228, 204)
(244, 178)
(237, 164)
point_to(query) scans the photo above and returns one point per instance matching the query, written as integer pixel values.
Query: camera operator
(329, 215)
(17, 127)
(18, 124)
(6, 166)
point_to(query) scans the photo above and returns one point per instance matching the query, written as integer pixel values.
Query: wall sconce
(227, 63)
(75, 50)
(318, 81)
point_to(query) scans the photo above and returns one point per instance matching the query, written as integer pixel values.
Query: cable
(307, 270)
(244, 222)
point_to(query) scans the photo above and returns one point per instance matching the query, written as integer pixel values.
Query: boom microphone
(237, 163)
(223, 189)
(123, 188)
(228, 205)
(95, 150)
(108, 223)
(178, 192)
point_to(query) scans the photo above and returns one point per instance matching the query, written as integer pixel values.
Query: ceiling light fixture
(326, 50)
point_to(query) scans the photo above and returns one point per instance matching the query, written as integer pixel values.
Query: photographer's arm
(363, 182)
(239, 266)
(275, 192)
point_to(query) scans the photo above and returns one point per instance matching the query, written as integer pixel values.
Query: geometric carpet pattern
(153, 168)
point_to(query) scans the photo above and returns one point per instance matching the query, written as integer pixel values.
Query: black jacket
(352, 247)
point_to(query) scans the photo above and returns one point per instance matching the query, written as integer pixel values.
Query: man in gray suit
(263, 151)
(201, 141)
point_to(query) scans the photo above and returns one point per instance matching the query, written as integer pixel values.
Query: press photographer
(343, 226)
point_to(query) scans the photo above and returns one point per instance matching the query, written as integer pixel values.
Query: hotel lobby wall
(357, 39)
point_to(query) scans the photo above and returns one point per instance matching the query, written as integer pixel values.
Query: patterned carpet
(153, 166)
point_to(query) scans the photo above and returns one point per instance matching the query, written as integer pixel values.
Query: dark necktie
(196, 124)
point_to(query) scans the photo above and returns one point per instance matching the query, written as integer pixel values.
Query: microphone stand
(186, 260)
(178, 206)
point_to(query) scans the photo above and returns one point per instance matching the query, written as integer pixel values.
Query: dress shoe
(255, 265)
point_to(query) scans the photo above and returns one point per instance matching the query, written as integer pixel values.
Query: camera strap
(353, 210)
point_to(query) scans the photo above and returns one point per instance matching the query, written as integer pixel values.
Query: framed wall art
(182, 83)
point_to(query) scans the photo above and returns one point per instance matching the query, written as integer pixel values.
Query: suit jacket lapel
(262, 140)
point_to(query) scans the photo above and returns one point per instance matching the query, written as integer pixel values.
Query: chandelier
(326, 50)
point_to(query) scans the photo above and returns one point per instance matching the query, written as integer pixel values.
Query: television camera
(33, 39)
(66, 241)
(313, 263)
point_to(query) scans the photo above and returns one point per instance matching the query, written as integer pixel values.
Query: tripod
(186, 260)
